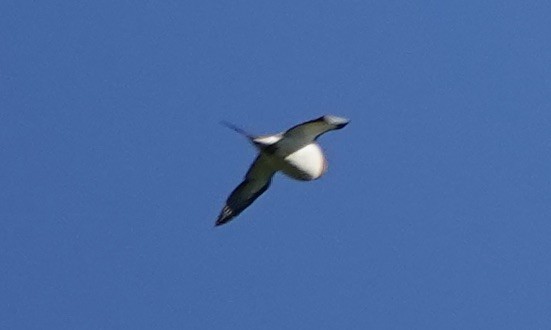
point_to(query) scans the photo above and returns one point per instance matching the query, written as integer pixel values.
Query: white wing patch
(268, 139)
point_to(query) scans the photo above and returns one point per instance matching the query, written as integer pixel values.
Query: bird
(294, 152)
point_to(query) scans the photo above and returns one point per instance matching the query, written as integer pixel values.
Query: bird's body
(294, 152)
(307, 163)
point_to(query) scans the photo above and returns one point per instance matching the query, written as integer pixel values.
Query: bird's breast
(307, 163)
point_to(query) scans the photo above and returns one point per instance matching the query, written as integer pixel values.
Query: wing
(299, 136)
(314, 128)
(309, 130)
(257, 180)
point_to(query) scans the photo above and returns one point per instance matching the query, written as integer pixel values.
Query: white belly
(307, 163)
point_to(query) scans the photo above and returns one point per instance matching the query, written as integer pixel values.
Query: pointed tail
(237, 129)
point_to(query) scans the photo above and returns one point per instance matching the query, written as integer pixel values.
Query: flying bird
(293, 152)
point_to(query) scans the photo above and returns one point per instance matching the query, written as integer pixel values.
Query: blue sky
(435, 211)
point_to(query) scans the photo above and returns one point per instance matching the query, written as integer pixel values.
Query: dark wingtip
(225, 216)
(220, 222)
(339, 126)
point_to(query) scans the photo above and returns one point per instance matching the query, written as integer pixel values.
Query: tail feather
(237, 129)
